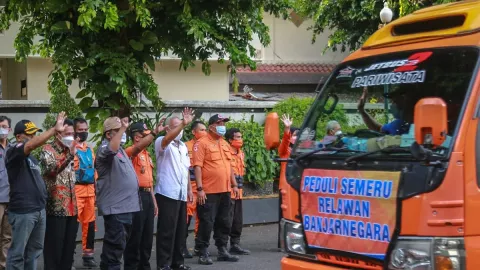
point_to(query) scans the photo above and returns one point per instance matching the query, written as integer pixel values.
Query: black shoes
(225, 256)
(238, 250)
(204, 259)
(187, 254)
(89, 262)
(181, 267)
(165, 268)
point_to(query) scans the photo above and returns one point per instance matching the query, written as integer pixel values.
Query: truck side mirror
(271, 134)
(430, 121)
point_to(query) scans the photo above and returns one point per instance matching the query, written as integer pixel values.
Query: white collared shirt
(172, 170)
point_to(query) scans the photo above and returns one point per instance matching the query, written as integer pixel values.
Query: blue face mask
(221, 130)
(397, 113)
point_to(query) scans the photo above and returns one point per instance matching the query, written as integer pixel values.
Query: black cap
(217, 118)
(26, 127)
(139, 127)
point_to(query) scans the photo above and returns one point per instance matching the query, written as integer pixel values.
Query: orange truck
(397, 190)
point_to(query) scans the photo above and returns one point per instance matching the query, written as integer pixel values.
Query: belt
(146, 189)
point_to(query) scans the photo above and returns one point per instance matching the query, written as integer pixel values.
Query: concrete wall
(290, 43)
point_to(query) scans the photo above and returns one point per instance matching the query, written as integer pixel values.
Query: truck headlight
(411, 253)
(292, 240)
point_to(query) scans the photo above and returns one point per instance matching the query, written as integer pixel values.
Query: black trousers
(214, 215)
(91, 236)
(59, 246)
(280, 216)
(117, 232)
(139, 246)
(172, 220)
(237, 222)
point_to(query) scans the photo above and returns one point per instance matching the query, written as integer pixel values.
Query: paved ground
(261, 240)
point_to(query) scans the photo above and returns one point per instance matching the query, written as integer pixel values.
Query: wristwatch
(199, 188)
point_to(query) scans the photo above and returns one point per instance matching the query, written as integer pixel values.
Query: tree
(111, 46)
(353, 21)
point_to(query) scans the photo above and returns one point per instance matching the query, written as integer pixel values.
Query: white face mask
(67, 141)
(339, 132)
(3, 133)
(179, 136)
(124, 138)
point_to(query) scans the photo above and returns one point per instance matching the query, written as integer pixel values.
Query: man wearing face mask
(85, 175)
(56, 160)
(234, 137)
(172, 191)
(28, 194)
(199, 130)
(117, 191)
(215, 180)
(401, 108)
(139, 245)
(5, 228)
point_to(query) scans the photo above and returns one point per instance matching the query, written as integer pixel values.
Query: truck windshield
(368, 104)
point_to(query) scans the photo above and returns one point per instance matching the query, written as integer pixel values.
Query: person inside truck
(401, 107)
(333, 131)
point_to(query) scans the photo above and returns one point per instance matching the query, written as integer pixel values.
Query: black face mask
(82, 135)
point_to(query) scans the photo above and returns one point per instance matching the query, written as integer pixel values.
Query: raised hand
(362, 100)
(287, 121)
(125, 122)
(188, 115)
(160, 127)
(59, 125)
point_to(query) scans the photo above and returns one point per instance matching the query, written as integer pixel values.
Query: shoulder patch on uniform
(19, 144)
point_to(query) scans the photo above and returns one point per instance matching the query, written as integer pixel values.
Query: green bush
(60, 100)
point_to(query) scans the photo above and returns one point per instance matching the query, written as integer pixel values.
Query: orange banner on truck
(350, 211)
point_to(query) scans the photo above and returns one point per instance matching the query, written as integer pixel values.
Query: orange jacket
(284, 152)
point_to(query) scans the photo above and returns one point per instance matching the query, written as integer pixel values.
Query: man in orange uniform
(234, 138)
(212, 161)
(85, 174)
(199, 130)
(288, 140)
(139, 245)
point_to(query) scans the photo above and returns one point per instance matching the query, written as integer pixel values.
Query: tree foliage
(353, 21)
(111, 46)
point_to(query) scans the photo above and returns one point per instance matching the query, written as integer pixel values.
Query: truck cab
(399, 188)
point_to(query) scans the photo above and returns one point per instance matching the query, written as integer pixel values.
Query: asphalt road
(260, 240)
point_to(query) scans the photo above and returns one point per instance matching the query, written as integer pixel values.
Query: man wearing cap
(5, 228)
(56, 160)
(139, 245)
(212, 160)
(172, 191)
(117, 191)
(28, 194)
(401, 108)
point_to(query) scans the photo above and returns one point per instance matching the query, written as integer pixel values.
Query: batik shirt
(59, 175)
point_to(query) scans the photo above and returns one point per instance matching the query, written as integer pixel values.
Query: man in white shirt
(171, 192)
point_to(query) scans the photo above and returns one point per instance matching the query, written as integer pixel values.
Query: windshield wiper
(387, 150)
(327, 149)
